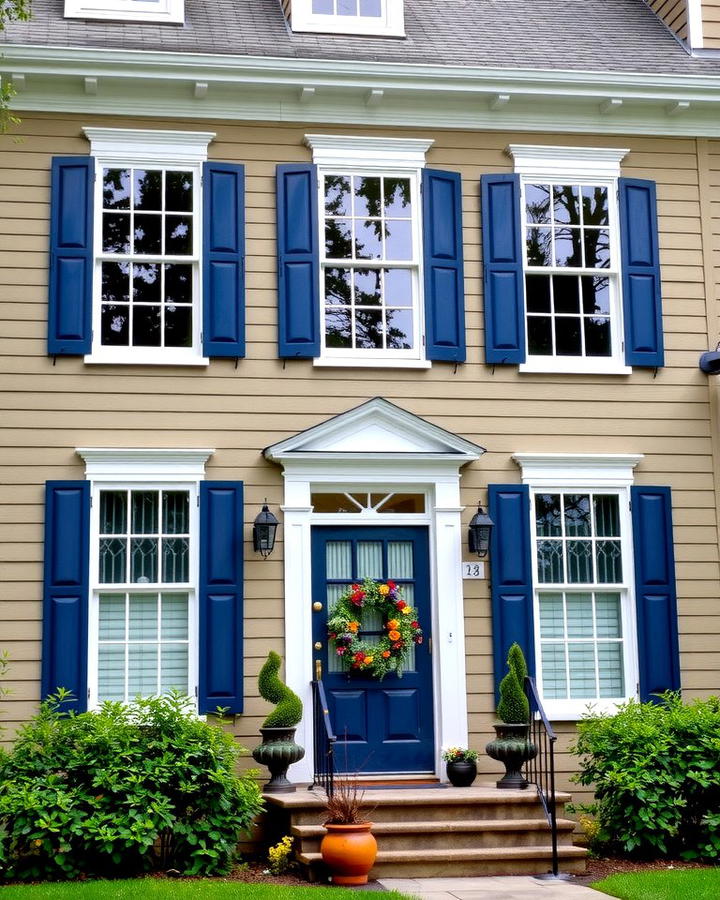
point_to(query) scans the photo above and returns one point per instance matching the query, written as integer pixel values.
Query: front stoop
(426, 833)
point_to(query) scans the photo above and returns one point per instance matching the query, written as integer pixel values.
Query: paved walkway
(515, 887)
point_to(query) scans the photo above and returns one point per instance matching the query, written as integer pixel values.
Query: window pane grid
(369, 263)
(568, 244)
(148, 257)
(143, 644)
(134, 547)
(580, 666)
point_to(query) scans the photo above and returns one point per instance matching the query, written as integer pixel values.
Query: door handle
(318, 645)
(318, 670)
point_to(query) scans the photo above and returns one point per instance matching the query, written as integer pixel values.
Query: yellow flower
(368, 660)
(406, 610)
(383, 589)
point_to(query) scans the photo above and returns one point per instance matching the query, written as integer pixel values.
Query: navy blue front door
(382, 726)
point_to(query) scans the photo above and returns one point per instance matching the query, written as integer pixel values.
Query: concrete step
(465, 862)
(440, 834)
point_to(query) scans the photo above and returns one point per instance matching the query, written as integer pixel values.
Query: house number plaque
(473, 569)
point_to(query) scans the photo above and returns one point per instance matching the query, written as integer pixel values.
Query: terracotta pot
(461, 772)
(349, 852)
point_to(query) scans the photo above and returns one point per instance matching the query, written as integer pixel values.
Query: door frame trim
(440, 478)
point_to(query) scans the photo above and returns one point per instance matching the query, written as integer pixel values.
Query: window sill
(144, 358)
(371, 363)
(574, 710)
(574, 366)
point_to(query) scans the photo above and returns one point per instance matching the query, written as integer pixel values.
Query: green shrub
(656, 773)
(121, 790)
(513, 708)
(289, 708)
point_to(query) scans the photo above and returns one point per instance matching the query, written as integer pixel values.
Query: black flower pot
(278, 752)
(461, 772)
(511, 747)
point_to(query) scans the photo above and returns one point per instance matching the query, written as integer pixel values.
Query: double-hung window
(371, 17)
(147, 247)
(144, 581)
(370, 255)
(571, 264)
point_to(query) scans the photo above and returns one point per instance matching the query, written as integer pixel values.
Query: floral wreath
(402, 629)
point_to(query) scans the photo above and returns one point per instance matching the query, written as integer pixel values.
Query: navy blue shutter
(223, 259)
(511, 575)
(221, 596)
(503, 287)
(298, 261)
(65, 591)
(640, 258)
(443, 258)
(71, 255)
(655, 595)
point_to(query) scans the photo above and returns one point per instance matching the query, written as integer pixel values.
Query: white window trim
(390, 24)
(356, 155)
(596, 473)
(169, 11)
(125, 147)
(112, 468)
(577, 165)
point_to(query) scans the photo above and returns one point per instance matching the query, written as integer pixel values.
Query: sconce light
(479, 532)
(264, 530)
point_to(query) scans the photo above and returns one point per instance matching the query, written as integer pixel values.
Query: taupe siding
(673, 13)
(711, 24)
(52, 408)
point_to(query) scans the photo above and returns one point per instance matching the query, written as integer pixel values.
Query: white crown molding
(342, 150)
(580, 469)
(169, 11)
(568, 162)
(144, 146)
(120, 464)
(162, 85)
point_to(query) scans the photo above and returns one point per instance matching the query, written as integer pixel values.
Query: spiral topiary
(513, 708)
(289, 709)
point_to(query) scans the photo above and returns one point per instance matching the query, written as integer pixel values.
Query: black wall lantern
(264, 531)
(479, 532)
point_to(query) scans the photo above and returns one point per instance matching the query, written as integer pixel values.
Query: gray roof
(595, 35)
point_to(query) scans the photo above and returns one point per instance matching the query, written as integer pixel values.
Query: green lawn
(152, 888)
(678, 884)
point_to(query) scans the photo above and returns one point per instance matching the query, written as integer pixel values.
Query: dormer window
(169, 11)
(370, 17)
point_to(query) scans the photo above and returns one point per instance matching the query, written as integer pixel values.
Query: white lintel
(148, 464)
(344, 150)
(578, 469)
(567, 162)
(140, 145)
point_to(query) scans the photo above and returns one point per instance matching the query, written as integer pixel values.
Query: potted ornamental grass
(461, 765)
(512, 745)
(278, 750)
(348, 848)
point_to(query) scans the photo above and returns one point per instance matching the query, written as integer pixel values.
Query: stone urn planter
(461, 772)
(513, 748)
(278, 752)
(349, 852)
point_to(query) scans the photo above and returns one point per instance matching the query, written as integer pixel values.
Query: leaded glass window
(144, 592)
(149, 252)
(581, 594)
(370, 264)
(570, 269)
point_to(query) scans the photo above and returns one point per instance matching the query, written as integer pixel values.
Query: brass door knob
(317, 606)
(318, 645)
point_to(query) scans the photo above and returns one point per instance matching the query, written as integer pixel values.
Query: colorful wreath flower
(388, 653)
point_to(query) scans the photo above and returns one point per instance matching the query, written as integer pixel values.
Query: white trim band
(342, 150)
(577, 469)
(142, 147)
(113, 464)
(567, 162)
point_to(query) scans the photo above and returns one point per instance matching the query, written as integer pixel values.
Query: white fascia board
(150, 83)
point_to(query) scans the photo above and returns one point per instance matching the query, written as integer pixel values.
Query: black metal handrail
(323, 740)
(540, 770)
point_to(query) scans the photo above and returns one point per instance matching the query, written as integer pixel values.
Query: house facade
(372, 264)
